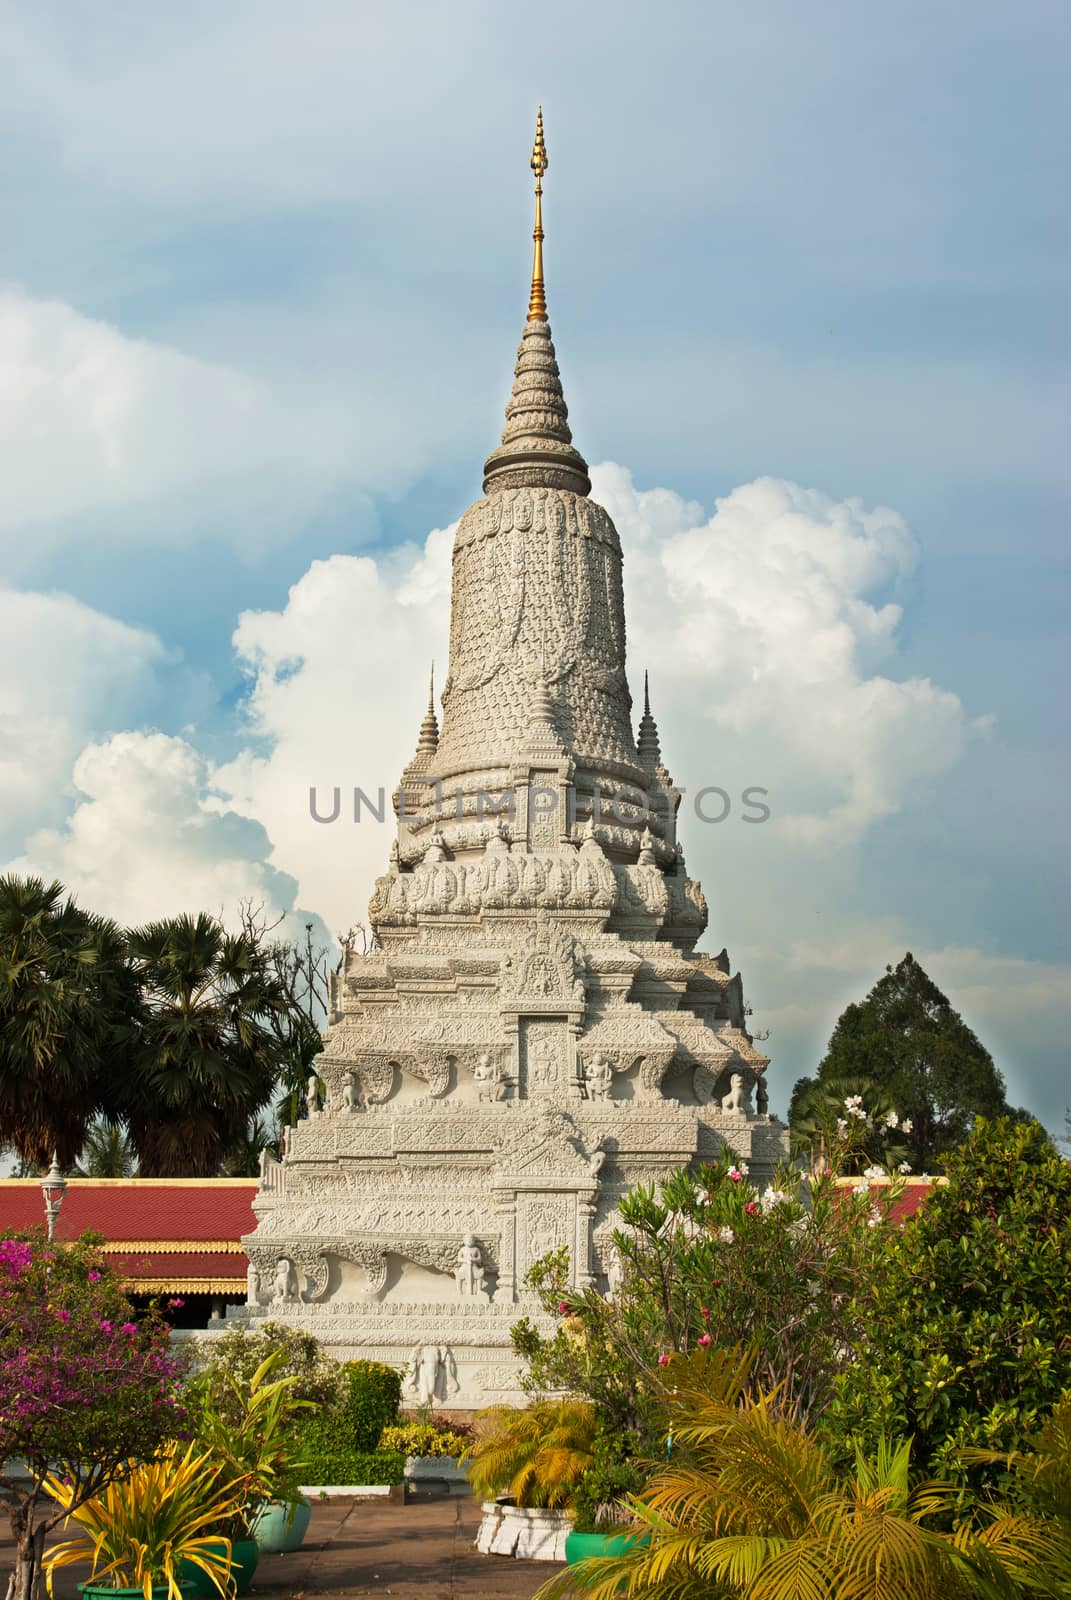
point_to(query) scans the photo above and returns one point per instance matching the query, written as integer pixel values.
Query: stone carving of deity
(599, 1078)
(762, 1096)
(312, 1095)
(544, 1060)
(490, 1079)
(469, 1274)
(433, 1375)
(252, 1286)
(614, 1273)
(738, 1101)
(284, 1289)
(599, 1157)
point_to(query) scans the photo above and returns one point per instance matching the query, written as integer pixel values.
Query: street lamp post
(53, 1187)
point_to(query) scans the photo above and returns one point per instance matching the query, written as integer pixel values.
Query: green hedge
(342, 1442)
(341, 1466)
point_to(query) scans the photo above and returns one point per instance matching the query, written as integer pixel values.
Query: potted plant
(250, 1430)
(603, 1525)
(525, 1465)
(149, 1527)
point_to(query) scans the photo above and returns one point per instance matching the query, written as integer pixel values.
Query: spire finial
(431, 692)
(537, 303)
(646, 695)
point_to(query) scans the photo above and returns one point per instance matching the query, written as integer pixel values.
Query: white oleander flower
(905, 1166)
(907, 1125)
(874, 1172)
(726, 1235)
(892, 1120)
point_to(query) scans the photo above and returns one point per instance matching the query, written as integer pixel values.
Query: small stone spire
(537, 447)
(648, 746)
(428, 742)
(542, 736)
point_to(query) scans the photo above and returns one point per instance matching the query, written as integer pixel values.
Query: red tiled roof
(183, 1209)
(162, 1233)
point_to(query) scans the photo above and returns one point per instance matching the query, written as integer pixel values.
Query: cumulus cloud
(66, 673)
(148, 838)
(770, 621)
(93, 421)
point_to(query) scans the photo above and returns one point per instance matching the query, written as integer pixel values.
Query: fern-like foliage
(537, 1455)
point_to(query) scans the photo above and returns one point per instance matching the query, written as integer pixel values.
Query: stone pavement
(419, 1551)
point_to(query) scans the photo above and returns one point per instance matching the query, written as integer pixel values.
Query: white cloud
(66, 673)
(93, 421)
(148, 839)
(768, 620)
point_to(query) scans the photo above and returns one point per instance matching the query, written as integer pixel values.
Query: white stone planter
(527, 1535)
(436, 1475)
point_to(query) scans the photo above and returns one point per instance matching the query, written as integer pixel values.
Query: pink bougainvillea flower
(129, 1327)
(64, 1315)
(105, 1325)
(752, 1208)
(95, 1276)
(704, 1340)
(175, 1302)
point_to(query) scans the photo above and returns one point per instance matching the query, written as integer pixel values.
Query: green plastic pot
(104, 1591)
(245, 1553)
(281, 1525)
(579, 1546)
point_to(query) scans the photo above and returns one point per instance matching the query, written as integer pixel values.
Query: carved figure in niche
(285, 1290)
(312, 1095)
(469, 1274)
(252, 1286)
(284, 1139)
(599, 1079)
(544, 1060)
(433, 1375)
(614, 1272)
(489, 1078)
(738, 1101)
(762, 1097)
(646, 857)
(351, 1094)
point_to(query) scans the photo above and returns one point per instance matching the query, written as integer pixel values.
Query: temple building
(534, 1031)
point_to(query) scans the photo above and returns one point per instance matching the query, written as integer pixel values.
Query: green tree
(69, 1007)
(911, 1049)
(107, 1151)
(207, 1055)
(968, 1307)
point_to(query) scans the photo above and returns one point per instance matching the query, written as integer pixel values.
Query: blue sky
(263, 277)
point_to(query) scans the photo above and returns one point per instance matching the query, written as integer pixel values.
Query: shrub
(968, 1308)
(425, 1439)
(350, 1431)
(537, 1456)
(332, 1465)
(226, 1365)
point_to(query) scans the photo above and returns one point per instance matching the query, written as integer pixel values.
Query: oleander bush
(336, 1464)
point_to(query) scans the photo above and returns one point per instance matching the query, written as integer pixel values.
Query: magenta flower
(175, 1302)
(663, 1361)
(735, 1175)
(704, 1340)
(95, 1277)
(129, 1327)
(752, 1208)
(64, 1315)
(705, 1313)
(105, 1325)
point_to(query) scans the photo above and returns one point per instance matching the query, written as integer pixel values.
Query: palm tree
(750, 1506)
(68, 1001)
(208, 1055)
(537, 1455)
(107, 1151)
(242, 1158)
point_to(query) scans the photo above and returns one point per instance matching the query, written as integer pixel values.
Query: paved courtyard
(420, 1551)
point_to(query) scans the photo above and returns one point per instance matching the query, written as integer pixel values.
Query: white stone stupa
(533, 1032)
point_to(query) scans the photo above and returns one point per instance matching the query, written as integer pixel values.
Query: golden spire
(537, 304)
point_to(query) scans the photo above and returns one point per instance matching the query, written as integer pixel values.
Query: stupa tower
(534, 1032)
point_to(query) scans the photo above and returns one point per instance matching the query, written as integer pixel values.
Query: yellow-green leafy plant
(254, 1440)
(161, 1513)
(749, 1505)
(537, 1455)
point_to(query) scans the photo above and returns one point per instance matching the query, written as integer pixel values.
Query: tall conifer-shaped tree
(914, 1053)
